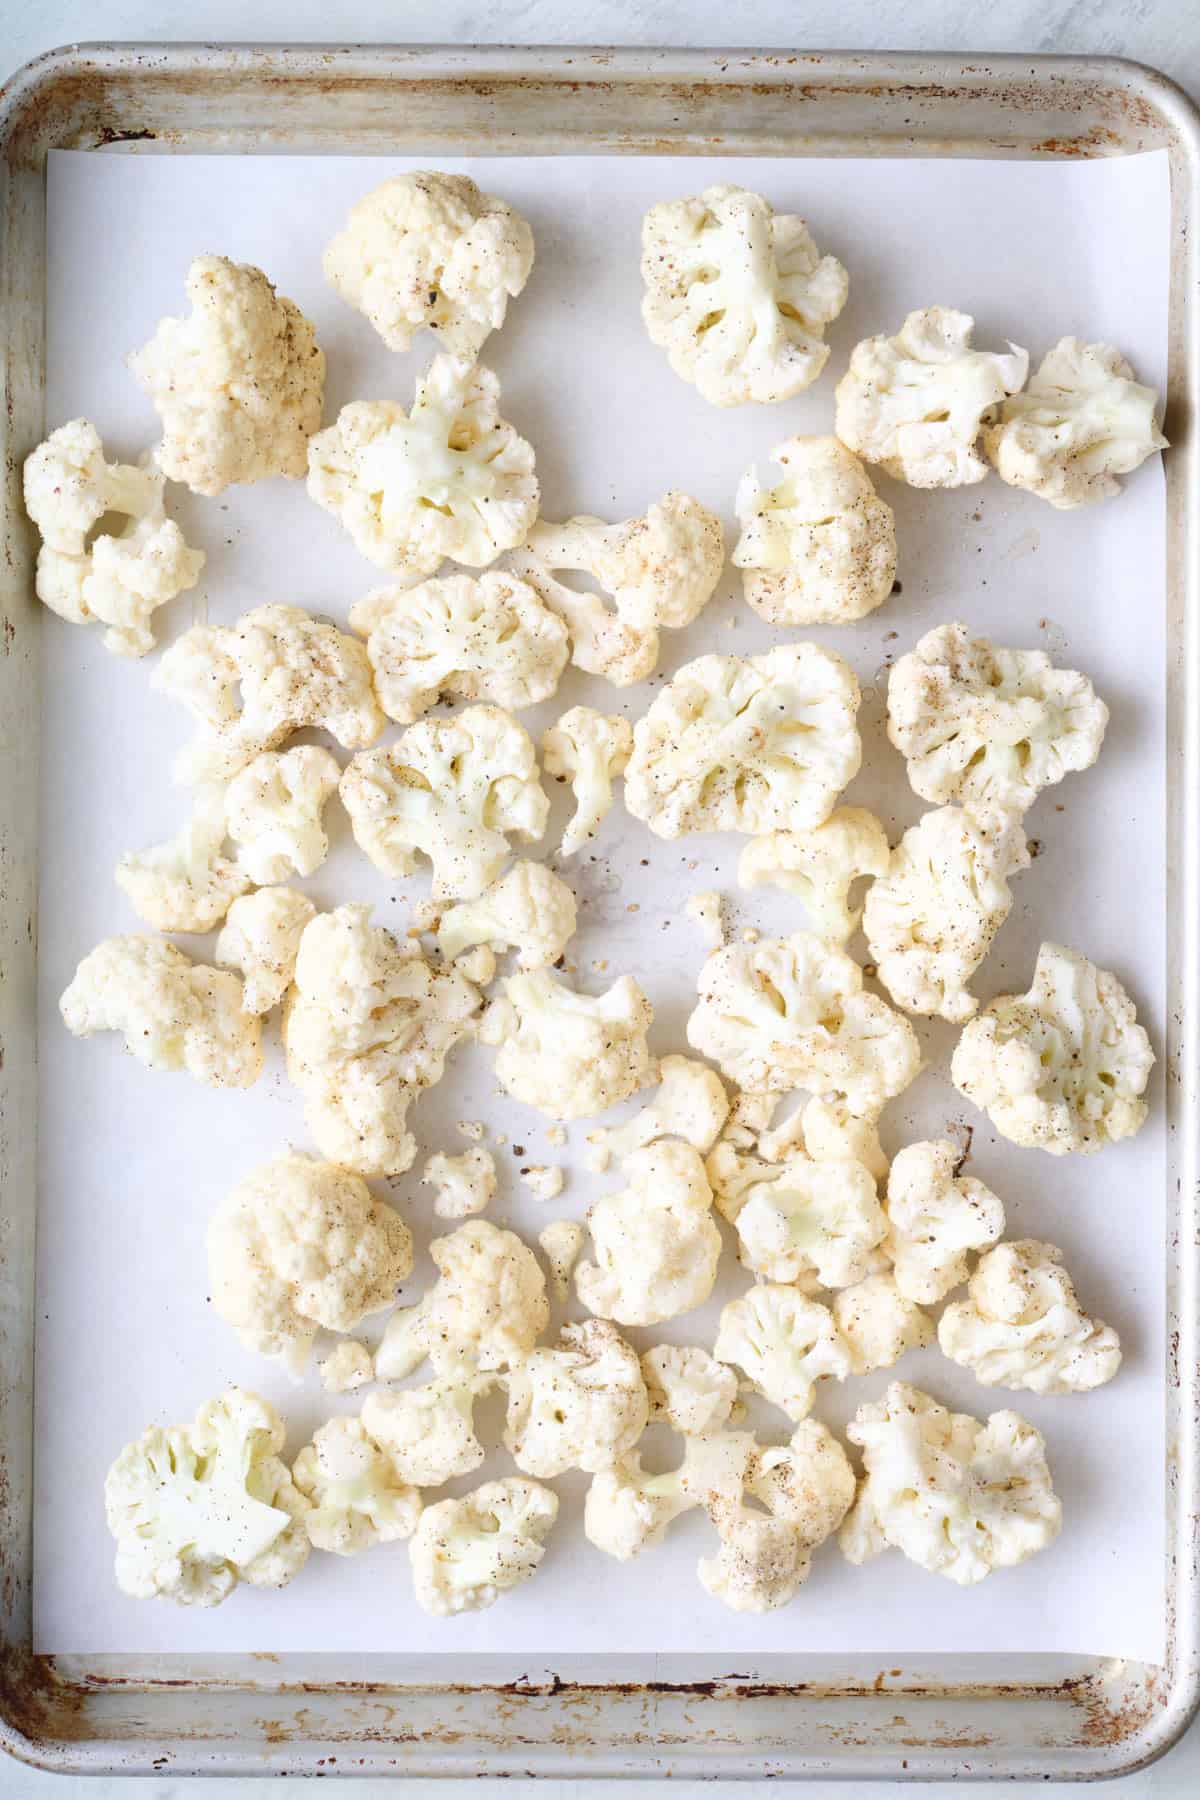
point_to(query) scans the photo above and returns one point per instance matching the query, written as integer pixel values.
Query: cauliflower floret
(1082, 421)
(764, 1558)
(431, 249)
(173, 1013)
(929, 920)
(586, 748)
(660, 569)
(570, 1055)
(957, 1497)
(916, 403)
(820, 867)
(791, 1013)
(454, 789)
(463, 1184)
(756, 744)
(738, 295)
(250, 685)
(819, 548)
(1022, 1325)
(545, 1181)
(760, 1565)
(688, 1389)
(561, 1242)
(936, 1217)
(273, 812)
(628, 1511)
(238, 385)
(260, 939)
(449, 478)
(808, 1482)
(784, 1343)
(185, 884)
(984, 726)
(878, 1324)
(466, 1553)
(810, 1223)
(119, 577)
(197, 1508)
(581, 1405)
(530, 910)
(486, 1311)
(655, 1244)
(299, 1246)
(428, 1433)
(690, 1102)
(707, 909)
(832, 1133)
(348, 1367)
(1063, 1067)
(355, 1496)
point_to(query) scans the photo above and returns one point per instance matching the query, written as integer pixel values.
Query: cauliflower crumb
(706, 908)
(462, 1185)
(348, 1366)
(544, 1181)
(472, 1129)
(556, 1135)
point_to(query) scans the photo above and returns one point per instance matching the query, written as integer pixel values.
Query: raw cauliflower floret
(936, 1217)
(429, 249)
(957, 1497)
(707, 911)
(690, 1102)
(587, 748)
(1022, 1325)
(454, 789)
(531, 910)
(984, 726)
(784, 1343)
(580, 1405)
(791, 1013)
(185, 884)
(808, 1481)
(348, 1367)
(757, 744)
(738, 295)
(300, 1246)
(273, 812)
(355, 1496)
(570, 1055)
(820, 867)
(760, 1566)
(197, 1508)
(250, 685)
(660, 569)
(449, 478)
(1063, 1067)
(628, 1511)
(799, 1221)
(832, 1133)
(561, 1242)
(930, 918)
(1082, 421)
(688, 1389)
(818, 548)
(260, 939)
(173, 1013)
(238, 385)
(466, 1553)
(655, 1244)
(428, 1433)
(486, 1311)
(878, 1324)
(119, 577)
(917, 403)
(463, 1185)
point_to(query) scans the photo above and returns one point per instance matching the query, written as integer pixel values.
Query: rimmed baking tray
(986, 1716)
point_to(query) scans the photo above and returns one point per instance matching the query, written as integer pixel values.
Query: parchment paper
(133, 1162)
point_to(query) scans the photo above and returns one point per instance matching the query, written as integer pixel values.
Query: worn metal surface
(987, 1716)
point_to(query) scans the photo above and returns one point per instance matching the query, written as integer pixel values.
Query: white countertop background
(1164, 33)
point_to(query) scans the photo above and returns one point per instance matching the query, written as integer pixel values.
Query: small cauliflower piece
(355, 1497)
(531, 910)
(273, 811)
(958, 1498)
(984, 726)
(260, 939)
(690, 1102)
(688, 1389)
(485, 1312)
(707, 910)
(655, 1244)
(466, 1553)
(428, 1433)
(784, 1343)
(580, 1405)
(570, 1055)
(348, 1367)
(462, 1185)
(173, 1013)
(760, 1565)
(878, 1324)
(832, 1133)
(1022, 1326)
(238, 385)
(430, 249)
(449, 478)
(917, 403)
(586, 748)
(185, 884)
(455, 790)
(808, 1481)
(798, 1221)
(561, 1242)
(820, 867)
(936, 1217)
(478, 965)
(302, 1245)
(1062, 1068)
(1082, 421)
(757, 744)
(818, 548)
(628, 1510)
(738, 295)
(545, 1181)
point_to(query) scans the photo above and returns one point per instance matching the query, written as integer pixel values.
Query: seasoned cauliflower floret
(738, 295)
(784, 1343)
(936, 1217)
(878, 1324)
(957, 1497)
(431, 249)
(173, 1013)
(185, 884)
(581, 1405)
(1021, 1325)
(302, 1245)
(758, 744)
(453, 789)
(690, 1102)
(486, 1311)
(355, 1496)
(688, 1389)
(1063, 1067)
(655, 1244)
(809, 1223)
(916, 403)
(463, 1185)
(570, 1055)
(1082, 421)
(238, 385)
(984, 726)
(628, 1510)
(197, 1508)
(760, 1565)
(807, 1481)
(449, 478)
(818, 548)
(260, 939)
(561, 1242)
(820, 867)
(832, 1133)
(586, 748)
(273, 811)
(348, 1367)
(466, 1553)
(531, 910)
(428, 1433)
(706, 909)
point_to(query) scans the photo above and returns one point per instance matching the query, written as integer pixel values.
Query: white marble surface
(1159, 32)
